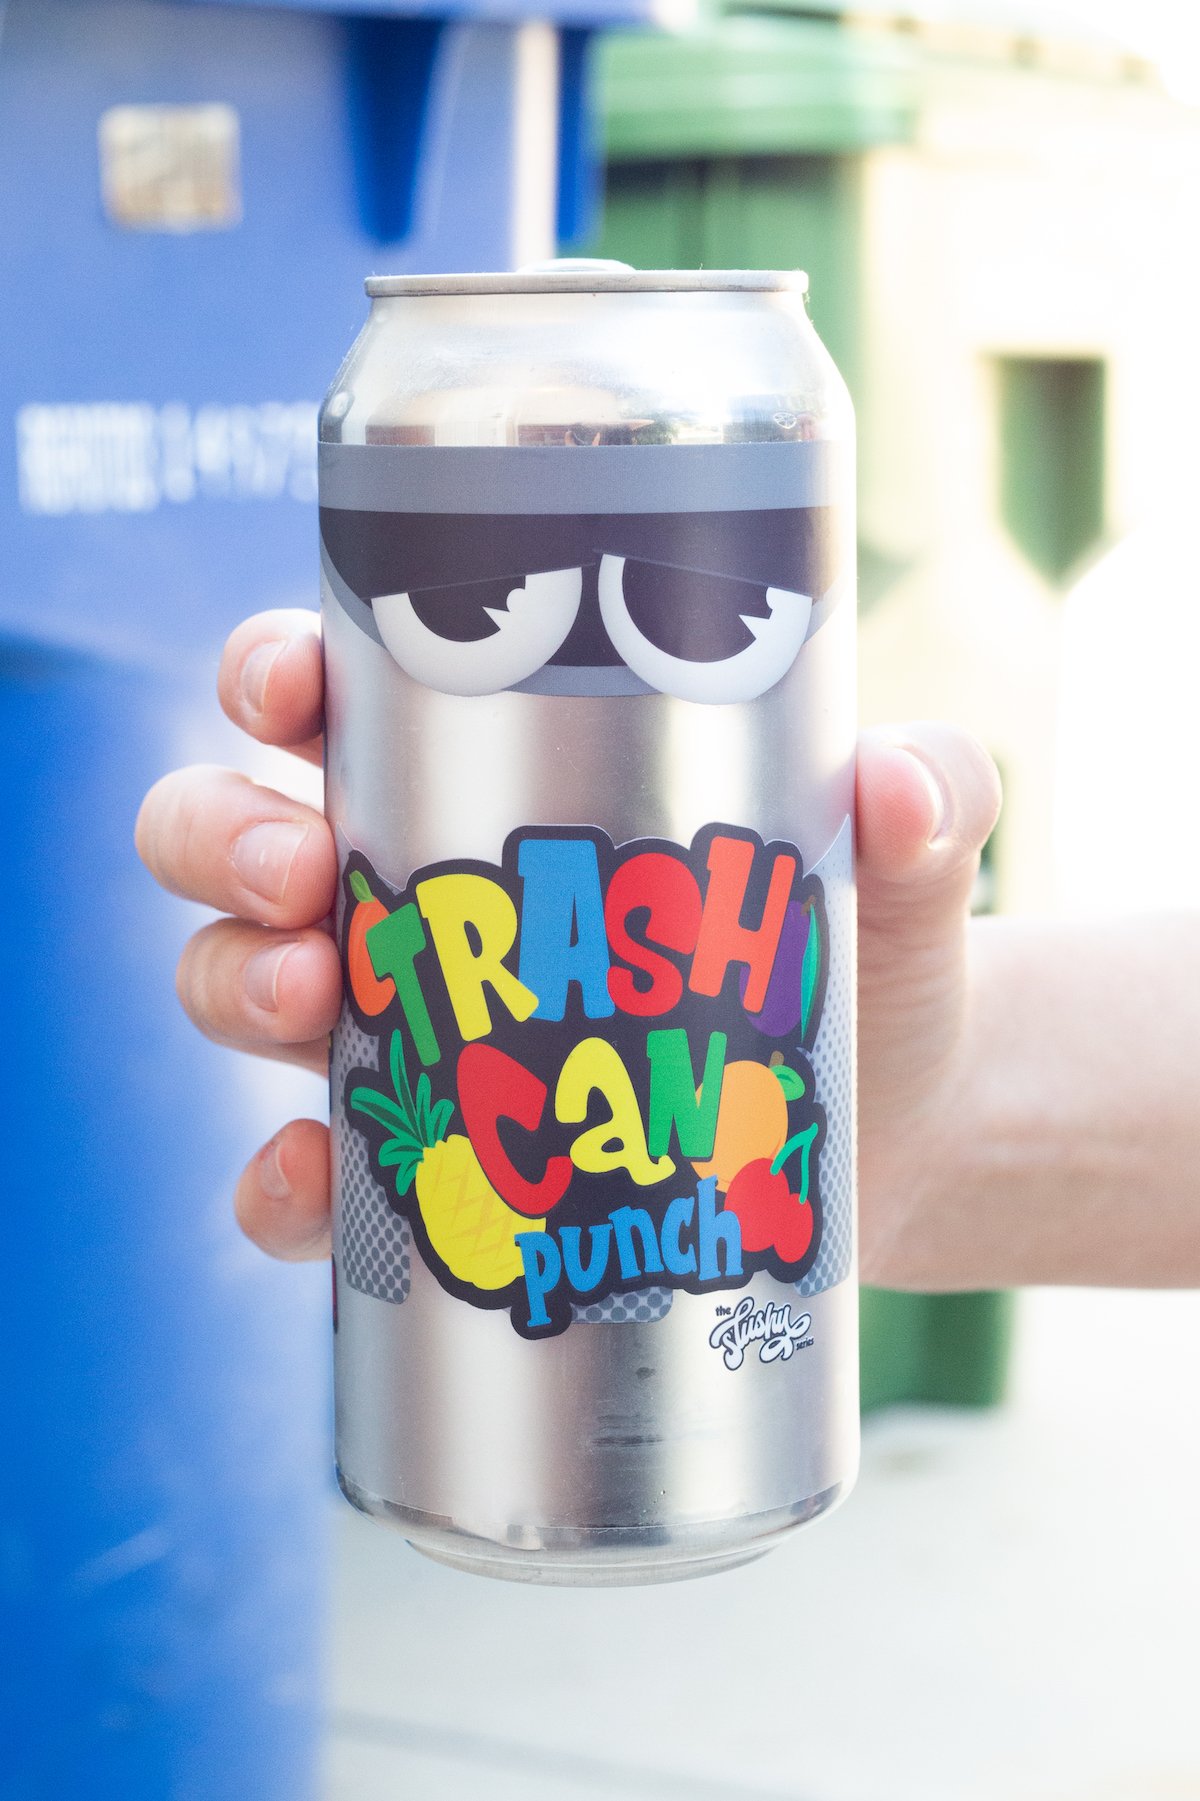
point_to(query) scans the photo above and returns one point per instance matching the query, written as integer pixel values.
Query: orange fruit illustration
(752, 1122)
(372, 995)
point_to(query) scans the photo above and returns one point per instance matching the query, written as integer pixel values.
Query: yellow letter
(451, 903)
(618, 1142)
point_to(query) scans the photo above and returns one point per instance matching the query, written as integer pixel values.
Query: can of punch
(588, 595)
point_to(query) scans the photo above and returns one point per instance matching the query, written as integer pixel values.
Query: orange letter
(723, 938)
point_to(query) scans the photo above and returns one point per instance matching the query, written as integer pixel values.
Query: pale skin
(1028, 1088)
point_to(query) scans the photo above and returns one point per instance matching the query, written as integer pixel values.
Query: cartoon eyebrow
(743, 676)
(797, 549)
(380, 553)
(409, 553)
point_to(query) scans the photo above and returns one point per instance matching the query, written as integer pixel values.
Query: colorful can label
(596, 1064)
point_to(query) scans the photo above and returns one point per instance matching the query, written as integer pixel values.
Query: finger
(258, 990)
(282, 1197)
(271, 681)
(214, 836)
(928, 798)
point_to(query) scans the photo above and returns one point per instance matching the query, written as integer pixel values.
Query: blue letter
(543, 1267)
(675, 1222)
(626, 1221)
(562, 926)
(717, 1226)
(584, 1280)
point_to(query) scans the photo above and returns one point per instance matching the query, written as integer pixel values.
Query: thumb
(928, 796)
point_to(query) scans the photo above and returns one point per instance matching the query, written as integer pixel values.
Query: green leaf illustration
(424, 1097)
(404, 1160)
(790, 1080)
(810, 970)
(383, 1111)
(400, 1082)
(439, 1119)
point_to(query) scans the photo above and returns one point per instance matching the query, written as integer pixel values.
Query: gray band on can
(601, 478)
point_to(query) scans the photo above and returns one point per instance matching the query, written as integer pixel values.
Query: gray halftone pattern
(618, 1309)
(375, 1246)
(833, 1067)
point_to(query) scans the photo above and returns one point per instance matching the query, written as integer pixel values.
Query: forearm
(1064, 1141)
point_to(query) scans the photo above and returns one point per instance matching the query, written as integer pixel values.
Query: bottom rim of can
(601, 1556)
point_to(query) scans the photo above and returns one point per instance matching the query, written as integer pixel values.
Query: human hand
(266, 978)
(928, 795)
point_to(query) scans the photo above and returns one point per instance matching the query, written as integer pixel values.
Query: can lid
(586, 275)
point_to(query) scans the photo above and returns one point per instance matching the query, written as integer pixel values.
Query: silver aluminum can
(587, 583)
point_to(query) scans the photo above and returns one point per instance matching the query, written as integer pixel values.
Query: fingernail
(272, 1180)
(255, 671)
(938, 799)
(263, 856)
(261, 976)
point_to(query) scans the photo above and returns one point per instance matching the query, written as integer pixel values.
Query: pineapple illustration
(469, 1227)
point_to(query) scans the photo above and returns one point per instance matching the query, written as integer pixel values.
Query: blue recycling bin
(191, 195)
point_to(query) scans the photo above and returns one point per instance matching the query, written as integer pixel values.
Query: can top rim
(596, 280)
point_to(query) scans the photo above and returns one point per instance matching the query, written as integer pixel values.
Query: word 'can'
(588, 593)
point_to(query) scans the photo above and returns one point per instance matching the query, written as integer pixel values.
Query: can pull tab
(576, 265)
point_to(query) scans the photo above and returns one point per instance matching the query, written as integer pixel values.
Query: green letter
(674, 1098)
(392, 946)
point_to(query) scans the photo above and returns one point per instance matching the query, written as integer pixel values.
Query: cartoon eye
(777, 638)
(527, 633)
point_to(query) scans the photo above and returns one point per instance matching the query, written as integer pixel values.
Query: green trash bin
(740, 146)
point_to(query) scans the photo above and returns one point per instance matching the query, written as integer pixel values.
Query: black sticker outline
(561, 1304)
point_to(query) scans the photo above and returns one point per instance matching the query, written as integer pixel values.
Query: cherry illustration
(754, 1195)
(771, 1217)
(794, 1233)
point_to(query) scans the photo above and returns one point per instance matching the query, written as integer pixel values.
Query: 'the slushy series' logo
(595, 1064)
(773, 1328)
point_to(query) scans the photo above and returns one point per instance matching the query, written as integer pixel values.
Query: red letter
(723, 939)
(493, 1086)
(670, 895)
